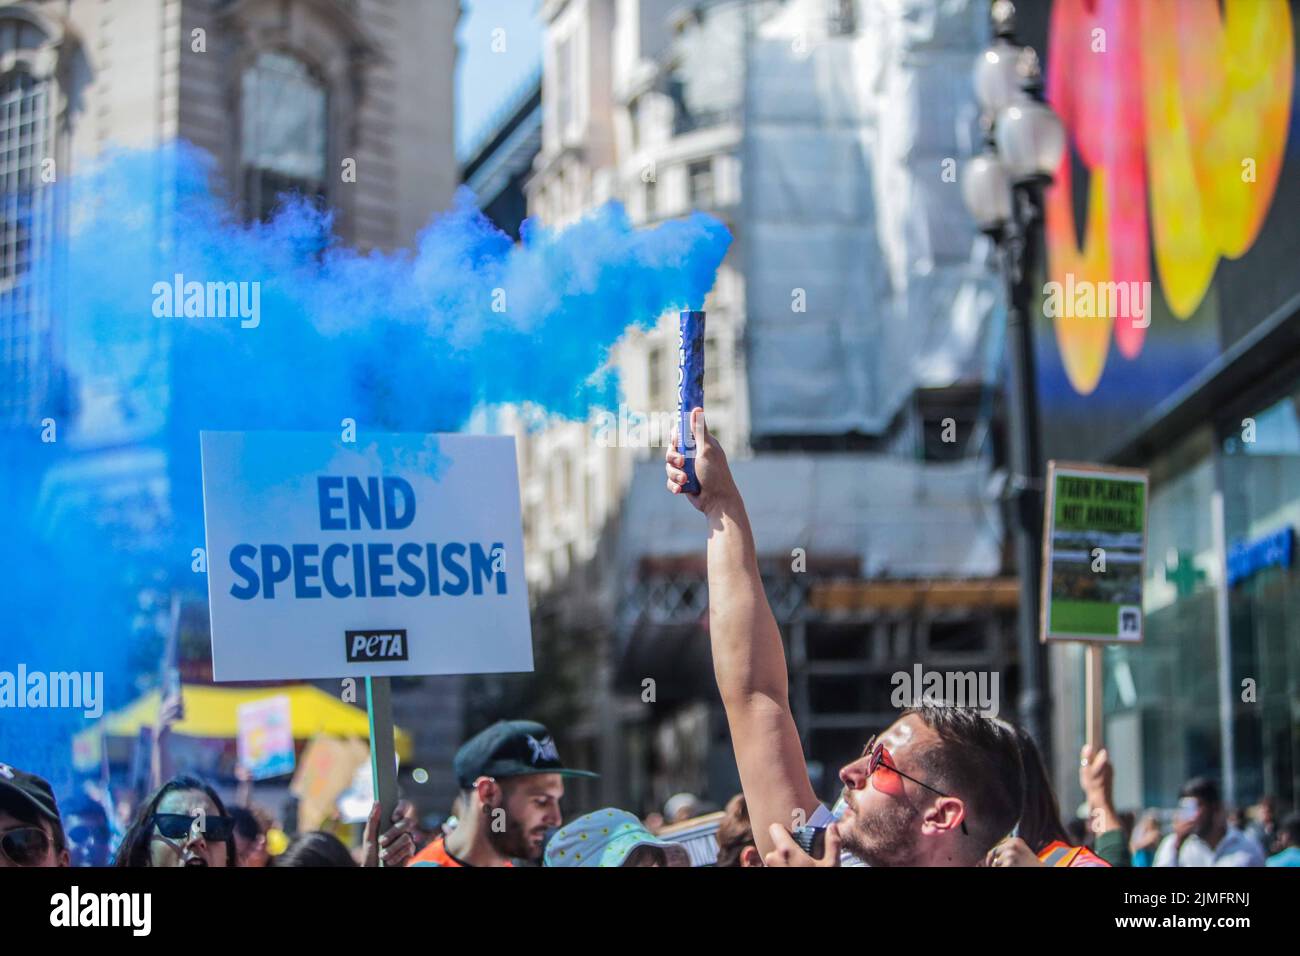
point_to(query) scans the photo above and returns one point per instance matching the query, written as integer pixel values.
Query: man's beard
(886, 838)
(512, 841)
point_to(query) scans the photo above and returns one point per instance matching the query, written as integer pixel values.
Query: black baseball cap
(33, 790)
(510, 748)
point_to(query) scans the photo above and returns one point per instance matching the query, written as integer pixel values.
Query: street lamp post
(1003, 189)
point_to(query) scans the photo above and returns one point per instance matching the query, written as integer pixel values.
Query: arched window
(285, 132)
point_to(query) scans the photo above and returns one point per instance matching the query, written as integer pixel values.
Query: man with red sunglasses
(938, 787)
(31, 833)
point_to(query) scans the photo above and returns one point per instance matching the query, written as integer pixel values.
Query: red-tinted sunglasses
(885, 776)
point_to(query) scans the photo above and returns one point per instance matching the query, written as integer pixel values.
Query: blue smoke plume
(411, 340)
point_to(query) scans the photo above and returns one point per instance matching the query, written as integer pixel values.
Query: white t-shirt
(822, 817)
(1235, 849)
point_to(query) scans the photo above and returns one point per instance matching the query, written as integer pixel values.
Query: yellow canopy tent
(211, 712)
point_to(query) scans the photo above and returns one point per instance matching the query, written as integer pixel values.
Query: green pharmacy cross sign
(1181, 571)
(1094, 549)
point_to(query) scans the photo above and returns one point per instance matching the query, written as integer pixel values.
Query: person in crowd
(184, 823)
(1040, 838)
(1146, 837)
(1097, 780)
(1127, 820)
(31, 832)
(250, 838)
(397, 845)
(316, 848)
(1201, 835)
(1288, 842)
(512, 780)
(736, 837)
(654, 821)
(682, 806)
(611, 837)
(88, 834)
(124, 804)
(939, 786)
(1262, 825)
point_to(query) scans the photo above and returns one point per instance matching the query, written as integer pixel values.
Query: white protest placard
(400, 554)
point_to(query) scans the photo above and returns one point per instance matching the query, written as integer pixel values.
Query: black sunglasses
(880, 759)
(25, 846)
(177, 826)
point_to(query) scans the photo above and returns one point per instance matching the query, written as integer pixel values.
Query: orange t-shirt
(435, 854)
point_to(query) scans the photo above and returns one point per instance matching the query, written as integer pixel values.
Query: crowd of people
(940, 786)
(509, 814)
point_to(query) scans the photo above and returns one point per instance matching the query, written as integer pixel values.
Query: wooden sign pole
(1092, 690)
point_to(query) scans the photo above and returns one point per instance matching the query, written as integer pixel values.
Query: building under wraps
(852, 349)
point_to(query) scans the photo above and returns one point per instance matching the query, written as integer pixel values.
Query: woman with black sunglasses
(183, 824)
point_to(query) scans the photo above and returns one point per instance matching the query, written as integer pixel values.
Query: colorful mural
(1179, 112)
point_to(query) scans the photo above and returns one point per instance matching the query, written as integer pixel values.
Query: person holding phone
(1201, 835)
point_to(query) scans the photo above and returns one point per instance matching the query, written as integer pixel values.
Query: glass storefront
(1161, 698)
(1261, 486)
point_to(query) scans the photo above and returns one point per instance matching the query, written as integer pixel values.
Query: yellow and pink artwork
(1179, 111)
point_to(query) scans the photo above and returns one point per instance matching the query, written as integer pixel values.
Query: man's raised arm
(748, 656)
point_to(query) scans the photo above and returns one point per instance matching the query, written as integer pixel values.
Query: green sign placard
(1094, 547)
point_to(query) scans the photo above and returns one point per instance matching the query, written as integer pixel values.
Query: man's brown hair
(978, 761)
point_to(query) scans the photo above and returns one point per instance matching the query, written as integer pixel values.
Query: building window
(701, 180)
(656, 377)
(284, 132)
(842, 19)
(564, 93)
(26, 230)
(710, 361)
(1261, 522)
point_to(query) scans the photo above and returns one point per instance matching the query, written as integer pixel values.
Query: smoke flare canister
(690, 389)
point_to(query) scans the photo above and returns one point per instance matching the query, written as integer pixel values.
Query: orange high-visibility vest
(1057, 853)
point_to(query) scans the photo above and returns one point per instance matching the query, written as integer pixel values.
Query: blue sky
(486, 78)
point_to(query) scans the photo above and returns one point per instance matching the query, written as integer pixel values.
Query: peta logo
(363, 646)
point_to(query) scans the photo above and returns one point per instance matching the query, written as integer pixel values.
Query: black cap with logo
(31, 789)
(510, 748)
